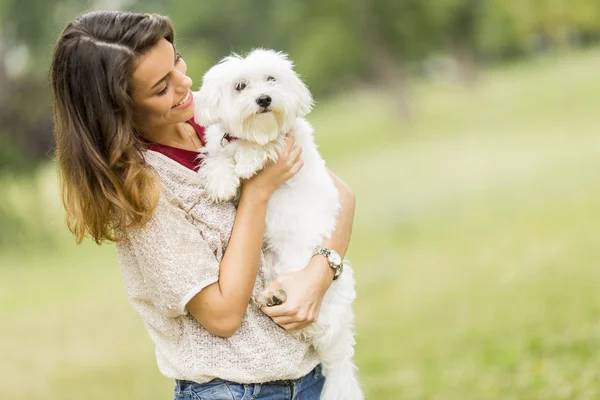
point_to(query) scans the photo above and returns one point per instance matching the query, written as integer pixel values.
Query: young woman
(127, 148)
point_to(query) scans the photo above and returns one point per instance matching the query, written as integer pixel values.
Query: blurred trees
(336, 44)
(25, 112)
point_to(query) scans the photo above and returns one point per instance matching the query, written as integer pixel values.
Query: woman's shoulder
(171, 171)
(178, 183)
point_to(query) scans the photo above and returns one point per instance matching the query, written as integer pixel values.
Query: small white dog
(248, 105)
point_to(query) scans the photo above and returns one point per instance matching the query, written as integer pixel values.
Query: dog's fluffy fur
(302, 212)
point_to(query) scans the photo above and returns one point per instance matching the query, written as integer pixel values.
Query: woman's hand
(305, 290)
(274, 174)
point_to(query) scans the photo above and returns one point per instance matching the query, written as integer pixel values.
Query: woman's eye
(240, 86)
(164, 91)
(270, 79)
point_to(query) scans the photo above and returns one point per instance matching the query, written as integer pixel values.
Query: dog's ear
(303, 97)
(209, 98)
(206, 102)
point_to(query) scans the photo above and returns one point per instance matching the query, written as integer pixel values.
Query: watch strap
(338, 269)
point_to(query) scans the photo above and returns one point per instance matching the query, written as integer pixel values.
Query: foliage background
(468, 130)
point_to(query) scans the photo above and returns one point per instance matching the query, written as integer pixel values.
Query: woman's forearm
(241, 260)
(340, 239)
(220, 307)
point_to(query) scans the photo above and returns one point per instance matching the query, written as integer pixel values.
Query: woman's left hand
(305, 290)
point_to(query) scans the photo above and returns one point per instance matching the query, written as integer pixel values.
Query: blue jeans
(306, 388)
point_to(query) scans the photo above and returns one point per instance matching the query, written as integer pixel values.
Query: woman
(127, 148)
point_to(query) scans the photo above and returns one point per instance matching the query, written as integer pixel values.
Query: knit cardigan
(173, 257)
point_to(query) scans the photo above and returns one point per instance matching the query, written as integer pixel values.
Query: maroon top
(187, 158)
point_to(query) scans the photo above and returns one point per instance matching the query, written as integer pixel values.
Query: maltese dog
(248, 105)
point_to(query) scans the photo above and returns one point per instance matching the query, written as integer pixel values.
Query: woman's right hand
(274, 174)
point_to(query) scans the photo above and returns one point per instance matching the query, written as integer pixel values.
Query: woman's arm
(220, 307)
(305, 289)
(343, 229)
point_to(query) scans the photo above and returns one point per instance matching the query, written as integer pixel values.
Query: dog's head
(255, 98)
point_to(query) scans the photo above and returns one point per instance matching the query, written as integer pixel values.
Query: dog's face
(255, 98)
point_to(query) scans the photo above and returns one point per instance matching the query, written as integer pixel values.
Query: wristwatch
(333, 258)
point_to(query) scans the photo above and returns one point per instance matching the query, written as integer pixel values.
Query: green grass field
(475, 249)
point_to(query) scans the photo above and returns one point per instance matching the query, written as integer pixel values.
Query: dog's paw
(224, 189)
(245, 170)
(249, 160)
(270, 297)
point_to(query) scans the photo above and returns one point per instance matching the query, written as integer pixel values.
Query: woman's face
(161, 90)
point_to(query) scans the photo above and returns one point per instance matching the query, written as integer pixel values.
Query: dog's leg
(220, 179)
(249, 159)
(218, 168)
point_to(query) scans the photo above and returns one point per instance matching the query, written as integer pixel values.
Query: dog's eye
(240, 86)
(270, 79)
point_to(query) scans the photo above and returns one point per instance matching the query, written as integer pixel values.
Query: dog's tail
(341, 383)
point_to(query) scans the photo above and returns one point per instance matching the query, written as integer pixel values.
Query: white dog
(249, 104)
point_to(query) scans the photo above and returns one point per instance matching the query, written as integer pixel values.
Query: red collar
(228, 138)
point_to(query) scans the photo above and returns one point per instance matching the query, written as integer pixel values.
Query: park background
(469, 132)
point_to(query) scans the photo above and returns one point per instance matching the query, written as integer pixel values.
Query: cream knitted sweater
(174, 256)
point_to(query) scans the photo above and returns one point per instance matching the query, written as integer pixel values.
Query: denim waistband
(316, 373)
(181, 384)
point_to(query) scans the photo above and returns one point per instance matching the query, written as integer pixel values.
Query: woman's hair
(107, 187)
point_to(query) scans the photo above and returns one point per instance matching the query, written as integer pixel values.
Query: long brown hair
(106, 185)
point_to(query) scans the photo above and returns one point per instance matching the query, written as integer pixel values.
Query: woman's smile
(185, 101)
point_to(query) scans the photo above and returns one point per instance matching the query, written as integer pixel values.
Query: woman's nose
(184, 81)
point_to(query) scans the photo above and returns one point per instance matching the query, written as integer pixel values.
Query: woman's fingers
(294, 326)
(289, 142)
(295, 154)
(286, 320)
(283, 314)
(293, 158)
(296, 167)
(292, 322)
(276, 311)
(280, 311)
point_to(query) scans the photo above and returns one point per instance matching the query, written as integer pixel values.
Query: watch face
(335, 257)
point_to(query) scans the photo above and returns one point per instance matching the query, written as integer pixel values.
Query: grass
(474, 246)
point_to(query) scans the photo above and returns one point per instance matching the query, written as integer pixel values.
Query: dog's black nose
(264, 100)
